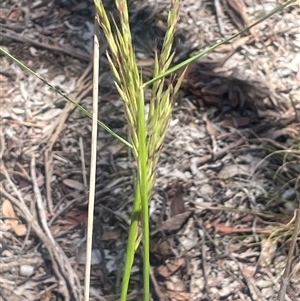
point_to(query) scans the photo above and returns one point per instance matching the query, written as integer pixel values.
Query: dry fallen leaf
(178, 296)
(73, 184)
(239, 14)
(236, 122)
(171, 268)
(211, 128)
(229, 230)
(163, 247)
(233, 45)
(231, 171)
(177, 203)
(114, 234)
(295, 273)
(20, 229)
(269, 247)
(20, 174)
(173, 224)
(74, 218)
(11, 219)
(211, 99)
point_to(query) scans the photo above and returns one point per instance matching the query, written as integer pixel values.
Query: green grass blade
(210, 49)
(81, 108)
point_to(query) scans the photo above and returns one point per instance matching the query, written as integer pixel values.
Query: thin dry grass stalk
(93, 164)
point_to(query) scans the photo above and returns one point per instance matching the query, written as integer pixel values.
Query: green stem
(131, 244)
(143, 180)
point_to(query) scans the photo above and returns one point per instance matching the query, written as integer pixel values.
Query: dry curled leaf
(173, 224)
(11, 219)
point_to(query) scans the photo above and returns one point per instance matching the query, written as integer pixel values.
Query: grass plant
(147, 129)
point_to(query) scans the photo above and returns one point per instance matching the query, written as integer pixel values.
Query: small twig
(157, 289)
(29, 226)
(10, 34)
(69, 276)
(2, 144)
(221, 153)
(220, 16)
(47, 290)
(4, 218)
(48, 162)
(99, 298)
(204, 262)
(255, 293)
(63, 209)
(93, 164)
(43, 219)
(83, 164)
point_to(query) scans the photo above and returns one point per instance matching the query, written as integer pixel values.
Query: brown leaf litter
(11, 219)
(217, 196)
